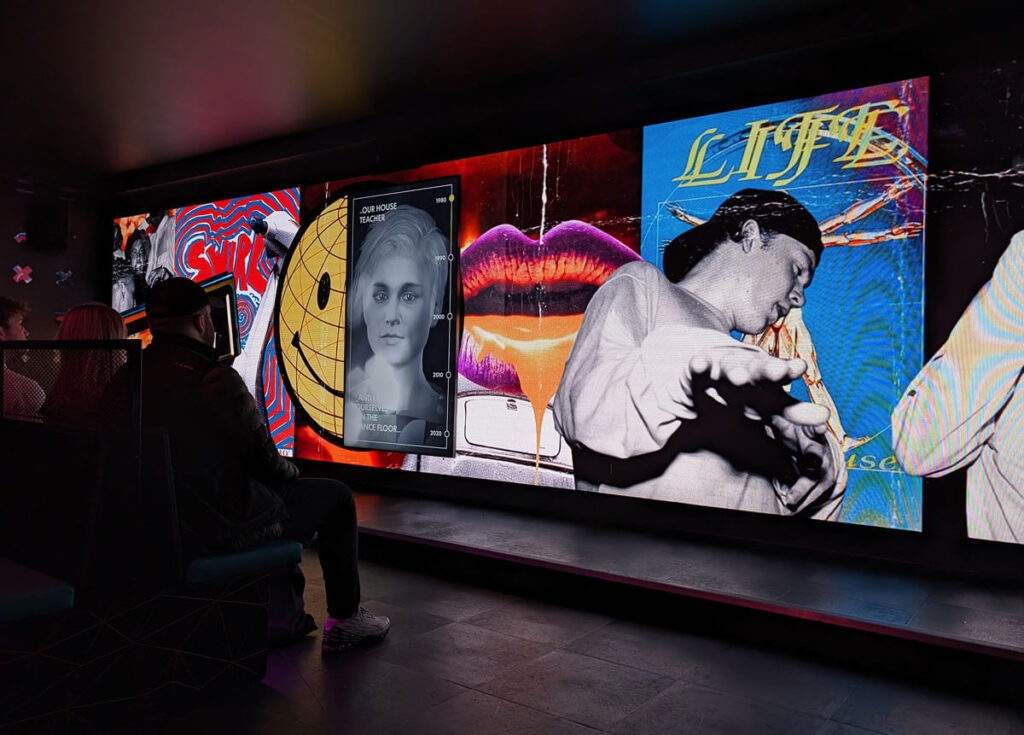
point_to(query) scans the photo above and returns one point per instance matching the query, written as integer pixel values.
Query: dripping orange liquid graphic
(536, 346)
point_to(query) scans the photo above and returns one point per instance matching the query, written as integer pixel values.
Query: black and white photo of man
(659, 400)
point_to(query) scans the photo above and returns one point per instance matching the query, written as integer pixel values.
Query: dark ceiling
(96, 89)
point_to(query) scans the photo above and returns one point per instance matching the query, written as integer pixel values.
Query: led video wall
(245, 238)
(720, 311)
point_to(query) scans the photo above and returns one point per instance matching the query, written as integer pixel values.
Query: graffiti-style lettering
(867, 129)
(799, 133)
(240, 258)
(869, 143)
(692, 175)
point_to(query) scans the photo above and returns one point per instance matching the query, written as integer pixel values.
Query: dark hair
(121, 269)
(776, 213)
(10, 308)
(140, 239)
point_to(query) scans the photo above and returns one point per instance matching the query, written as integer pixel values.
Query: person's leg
(326, 506)
(287, 617)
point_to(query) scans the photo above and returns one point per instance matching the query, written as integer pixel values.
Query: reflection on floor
(469, 659)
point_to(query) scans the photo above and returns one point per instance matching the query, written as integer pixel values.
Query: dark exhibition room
(561, 367)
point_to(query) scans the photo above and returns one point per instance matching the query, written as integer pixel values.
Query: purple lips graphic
(504, 272)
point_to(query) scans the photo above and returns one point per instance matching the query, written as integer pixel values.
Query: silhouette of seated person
(233, 488)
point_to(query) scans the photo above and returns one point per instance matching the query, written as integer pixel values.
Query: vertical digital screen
(401, 325)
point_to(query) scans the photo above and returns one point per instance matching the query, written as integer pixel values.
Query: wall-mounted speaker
(46, 224)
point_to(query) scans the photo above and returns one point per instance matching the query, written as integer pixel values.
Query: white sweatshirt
(965, 407)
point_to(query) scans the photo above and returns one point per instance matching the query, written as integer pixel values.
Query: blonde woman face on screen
(398, 309)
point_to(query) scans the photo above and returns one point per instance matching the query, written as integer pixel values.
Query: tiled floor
(468, 660)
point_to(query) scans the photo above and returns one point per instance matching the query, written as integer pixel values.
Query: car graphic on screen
(496, 439)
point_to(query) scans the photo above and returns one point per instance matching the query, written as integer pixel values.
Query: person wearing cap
(234, 489)
(658, 399)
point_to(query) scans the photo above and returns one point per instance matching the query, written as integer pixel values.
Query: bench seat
(26, 593)
(269, 555)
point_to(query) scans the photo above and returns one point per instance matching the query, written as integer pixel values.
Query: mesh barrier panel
(70, 500)
(68, 383)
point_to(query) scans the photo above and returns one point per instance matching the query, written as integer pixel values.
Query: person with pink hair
(84, 373)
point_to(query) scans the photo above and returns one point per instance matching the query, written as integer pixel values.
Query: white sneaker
(363, 627)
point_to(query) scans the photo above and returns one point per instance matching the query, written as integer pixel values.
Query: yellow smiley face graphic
(311, 319)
